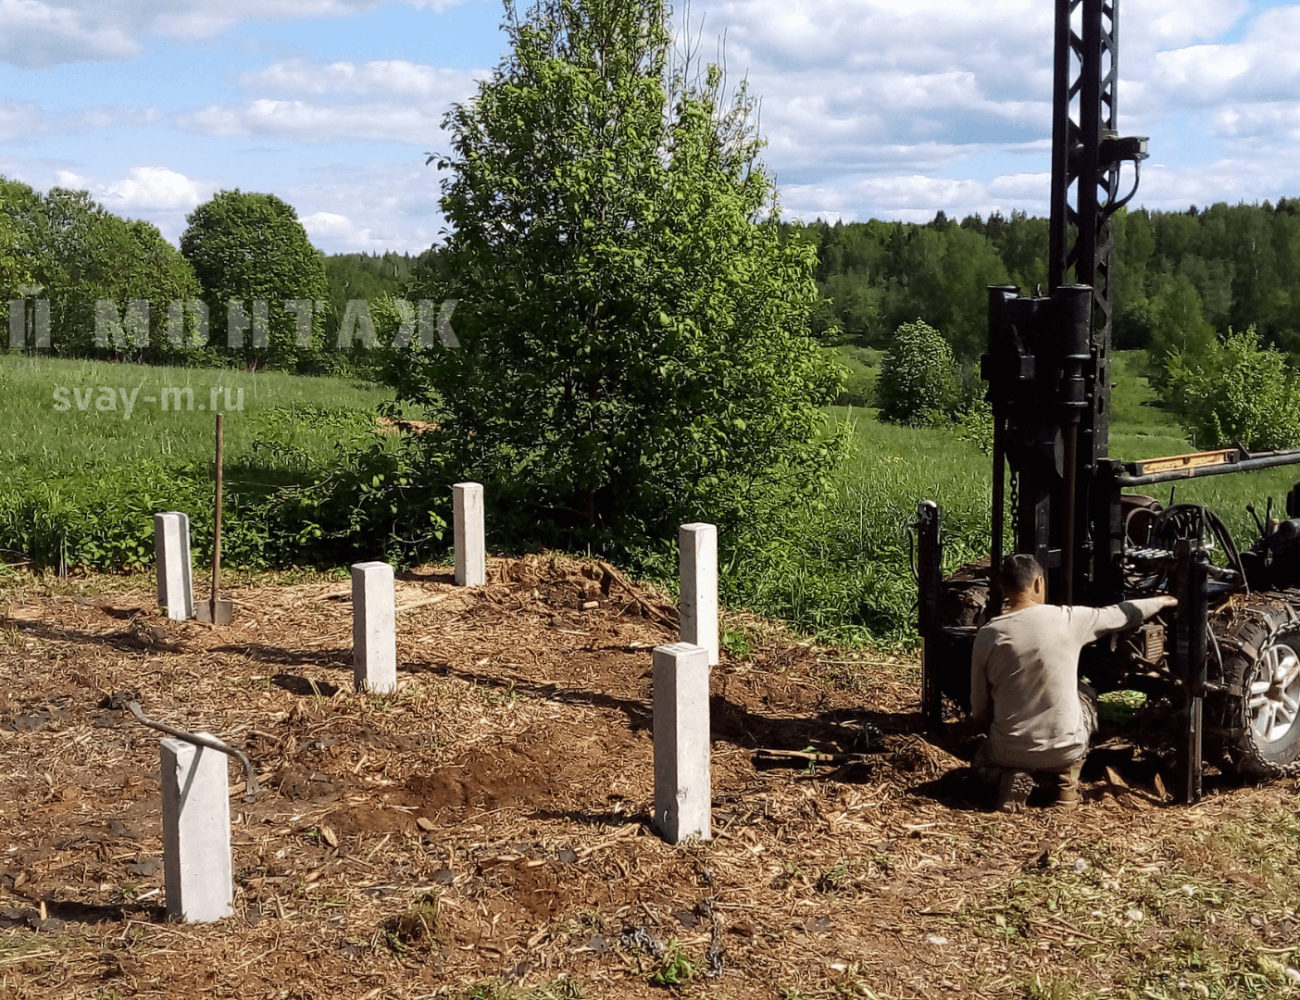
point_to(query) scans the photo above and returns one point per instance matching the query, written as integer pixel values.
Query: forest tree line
(1181, 278)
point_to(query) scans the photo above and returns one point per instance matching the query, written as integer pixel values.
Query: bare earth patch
(485, 832)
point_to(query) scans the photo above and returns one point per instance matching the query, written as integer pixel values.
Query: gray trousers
(990, 771)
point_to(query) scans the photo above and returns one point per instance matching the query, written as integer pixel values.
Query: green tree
(634, 331)
(14, 270)
(918, 382)
(1177, 322)
(1241, 391)
(123, 262)
(19, 214)
(364, 276)
(80, 255)
(1022, 243)
(250, 248)
(941, 275)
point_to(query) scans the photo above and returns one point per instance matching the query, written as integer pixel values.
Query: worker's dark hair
(1019, 572)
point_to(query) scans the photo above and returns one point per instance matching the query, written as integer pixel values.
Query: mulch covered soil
(491, 821)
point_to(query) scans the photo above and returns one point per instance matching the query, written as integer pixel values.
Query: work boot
(1067, 787)
(1013, 790)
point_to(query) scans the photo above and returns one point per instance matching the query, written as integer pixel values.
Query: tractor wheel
(1262, 677)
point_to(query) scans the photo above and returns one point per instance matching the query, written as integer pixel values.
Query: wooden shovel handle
(216, 522)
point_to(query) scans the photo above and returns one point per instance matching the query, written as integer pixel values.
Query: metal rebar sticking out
(210, 742)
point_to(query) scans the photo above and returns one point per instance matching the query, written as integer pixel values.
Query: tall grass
(41, 437)
(842, 569)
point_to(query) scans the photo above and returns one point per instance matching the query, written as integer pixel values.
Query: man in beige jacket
(1025, 683)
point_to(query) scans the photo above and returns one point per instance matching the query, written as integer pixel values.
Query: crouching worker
(1025, 685)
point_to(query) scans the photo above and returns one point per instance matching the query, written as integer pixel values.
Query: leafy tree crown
(246, 246)
(634, 330)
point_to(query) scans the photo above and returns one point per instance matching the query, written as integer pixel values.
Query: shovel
(217, 611)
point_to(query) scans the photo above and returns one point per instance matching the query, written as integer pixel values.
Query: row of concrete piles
(197, 861)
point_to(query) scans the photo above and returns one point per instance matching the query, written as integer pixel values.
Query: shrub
(975, 425)
(1240, 391)
(372, 503)
(918, 381)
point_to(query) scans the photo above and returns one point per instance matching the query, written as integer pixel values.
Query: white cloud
(909, 197)
(338, 234)
(24, 120)
(156, 194)
(392, 100)
(373, 206)
(19, 121)
(872, 107)
(318, 123)
(861, 88)
(34, 33)
(152, 189)
(1164, 24)
(204, 18)
(52, 32)
(394, 78)
(1260, 67)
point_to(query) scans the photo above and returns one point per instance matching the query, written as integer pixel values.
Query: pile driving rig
(1226, 661)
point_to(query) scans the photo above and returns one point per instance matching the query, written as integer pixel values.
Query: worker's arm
(1093, 623)
(981, 705)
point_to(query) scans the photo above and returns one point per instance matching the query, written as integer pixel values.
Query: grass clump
(416, 929)
(675, 968)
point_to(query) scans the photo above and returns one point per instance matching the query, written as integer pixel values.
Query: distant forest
(1180, 276)
(366, 276)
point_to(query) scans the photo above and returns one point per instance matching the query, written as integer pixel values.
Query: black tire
(1262, 677)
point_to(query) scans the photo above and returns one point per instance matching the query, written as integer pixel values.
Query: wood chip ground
(490, 822)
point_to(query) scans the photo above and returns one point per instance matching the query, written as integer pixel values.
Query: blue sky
(873, 108)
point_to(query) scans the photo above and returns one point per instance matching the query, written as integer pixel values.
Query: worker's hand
(1167, 601)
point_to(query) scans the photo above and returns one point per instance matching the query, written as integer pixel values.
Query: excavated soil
(491, 821)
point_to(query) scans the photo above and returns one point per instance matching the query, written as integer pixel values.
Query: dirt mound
(387, 425)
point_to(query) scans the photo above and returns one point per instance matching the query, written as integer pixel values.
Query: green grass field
(89, 450)
(55, 423)
(892, 461)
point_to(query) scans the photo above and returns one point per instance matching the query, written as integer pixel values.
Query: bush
(975, 426)
(105, 519)
(372, 503)
(1240, 391)
(918, 383)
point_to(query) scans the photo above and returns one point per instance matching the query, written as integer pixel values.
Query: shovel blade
(218, 612)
